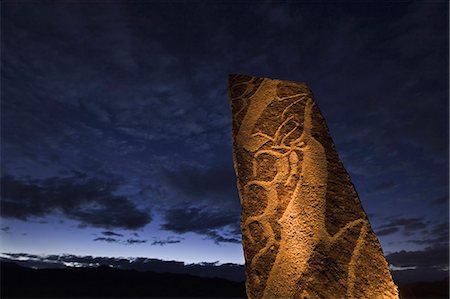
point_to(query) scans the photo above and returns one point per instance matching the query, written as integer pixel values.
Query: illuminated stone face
(304, 231)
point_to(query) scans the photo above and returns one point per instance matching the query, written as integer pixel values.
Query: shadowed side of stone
(304, 231)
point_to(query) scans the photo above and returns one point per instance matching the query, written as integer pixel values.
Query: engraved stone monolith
(304, 231)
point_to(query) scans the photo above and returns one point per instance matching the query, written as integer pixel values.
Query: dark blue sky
(116, 127)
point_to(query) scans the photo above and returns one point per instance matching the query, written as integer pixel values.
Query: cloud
(387, 231)
(384, 186)
(110, 233)
(440, 200)
(106, 239)
(211, 222)
(195, 182)
(407, 225)
(219, 238)
(111, 238)
(429, 263)
(437, 236)
(92, 201)
(431, 257)
(169, 240)
(165, 242)
(209, 202)
(135, 241)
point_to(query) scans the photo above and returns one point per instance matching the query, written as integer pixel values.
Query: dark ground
(105, 282)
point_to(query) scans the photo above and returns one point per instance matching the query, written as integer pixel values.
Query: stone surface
(304, 231)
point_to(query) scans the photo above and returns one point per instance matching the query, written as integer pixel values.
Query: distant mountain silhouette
(229, 271)
(107, 282)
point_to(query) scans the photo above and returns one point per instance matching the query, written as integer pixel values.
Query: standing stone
(304, 231)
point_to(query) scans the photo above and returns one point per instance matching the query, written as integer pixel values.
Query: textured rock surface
(305, 233)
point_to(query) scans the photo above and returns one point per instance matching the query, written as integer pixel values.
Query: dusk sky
(116, 124)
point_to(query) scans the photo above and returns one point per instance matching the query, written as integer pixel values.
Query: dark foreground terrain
(105, 282)
(436, 289)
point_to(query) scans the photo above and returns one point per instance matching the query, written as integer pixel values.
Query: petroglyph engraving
(279, 151)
